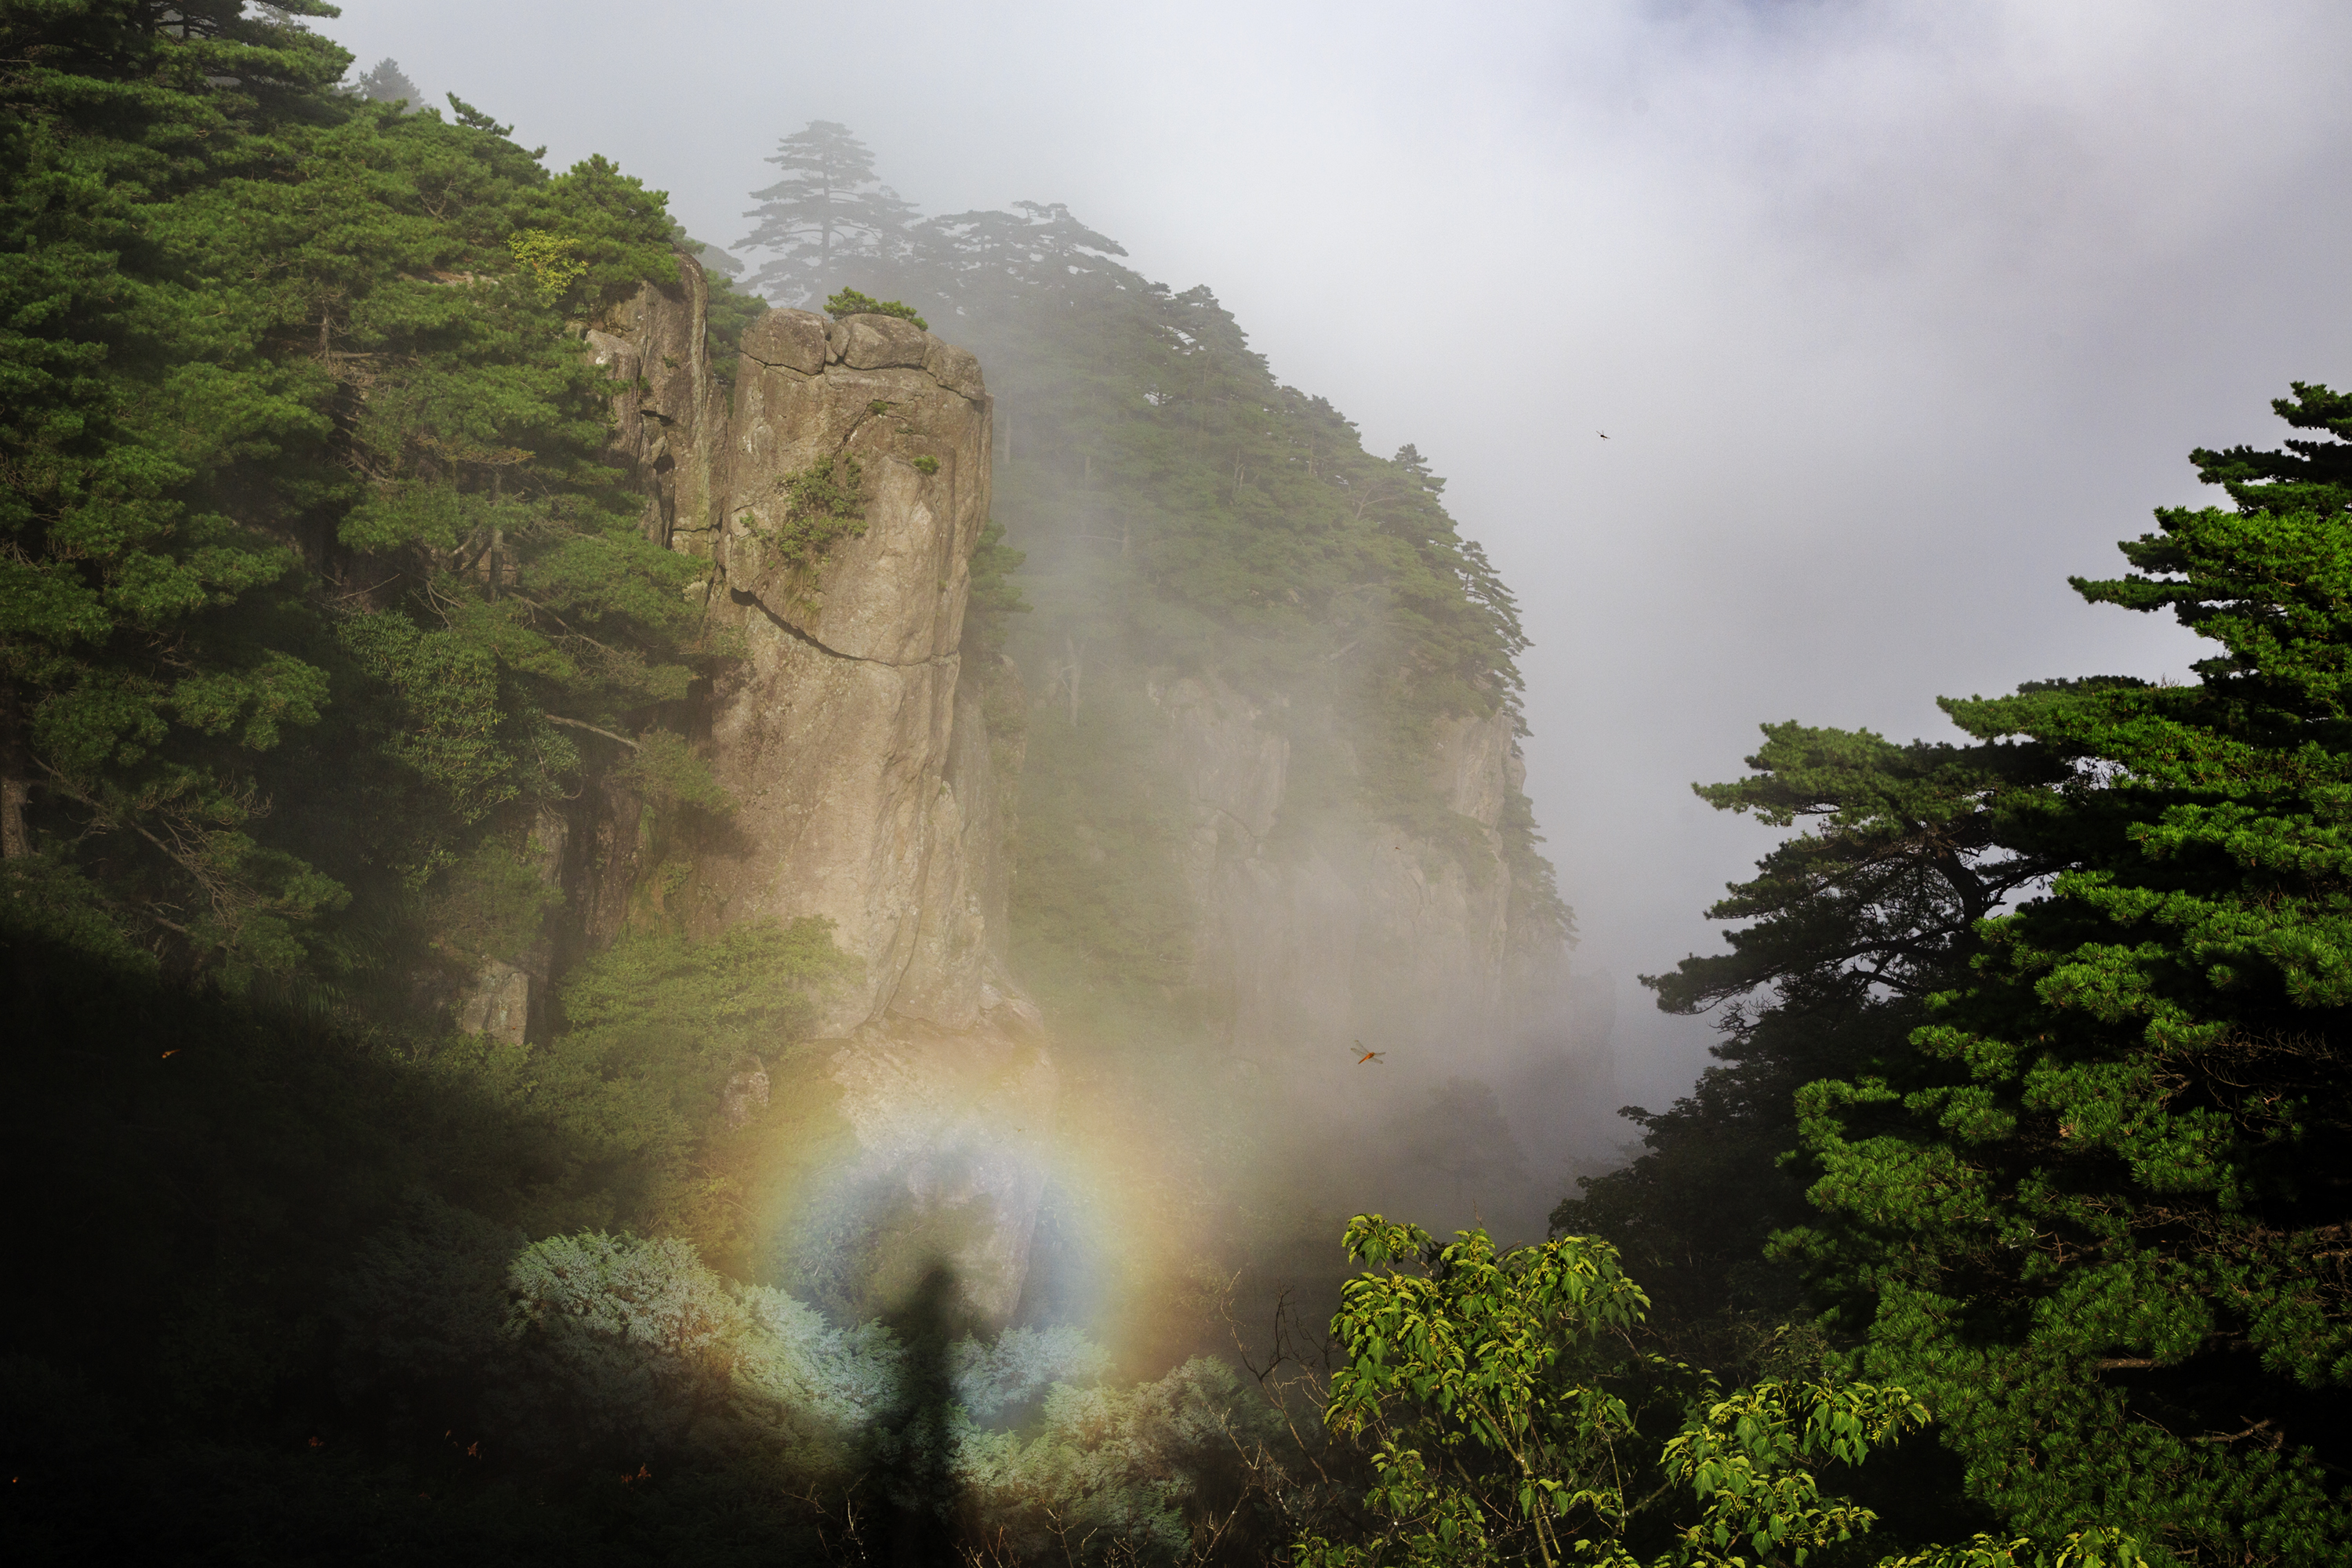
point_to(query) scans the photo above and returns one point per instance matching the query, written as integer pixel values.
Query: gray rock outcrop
(857, 755)
(670, 417)
(859, 759)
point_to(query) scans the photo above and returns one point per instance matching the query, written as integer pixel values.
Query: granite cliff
(1351, 930)
(851, 729)
(858, 759)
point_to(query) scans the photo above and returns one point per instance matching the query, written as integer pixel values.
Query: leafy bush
(751, 982)
(669, 776)
(729, 311)
(1509, 1425)
(633, 1089)
(549, 258)
(993, 595)
(1113, 1475)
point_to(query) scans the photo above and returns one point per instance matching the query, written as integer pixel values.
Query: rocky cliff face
(837, 732)
(916, 1132)
(1346, 931)
(861, 767)
(859, 761)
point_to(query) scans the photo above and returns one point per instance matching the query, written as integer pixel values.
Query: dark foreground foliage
(278, 1301)
(2034, 1090)
(277, 1298)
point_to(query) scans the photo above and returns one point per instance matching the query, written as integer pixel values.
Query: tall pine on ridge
(2097, 1216)
(828, 210)
(1854, 921)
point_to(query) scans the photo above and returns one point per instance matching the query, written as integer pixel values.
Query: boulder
(787, 339)
(884, 343)
(497, 1002)
(956, 369)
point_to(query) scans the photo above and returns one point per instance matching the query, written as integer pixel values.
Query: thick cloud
(1895, 314)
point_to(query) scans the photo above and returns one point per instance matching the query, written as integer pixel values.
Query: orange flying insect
(1369, 1056)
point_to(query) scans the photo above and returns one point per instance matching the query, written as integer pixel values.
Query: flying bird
(1602, 434)
(1367, 1055)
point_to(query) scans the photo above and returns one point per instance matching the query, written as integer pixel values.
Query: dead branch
(576, 724)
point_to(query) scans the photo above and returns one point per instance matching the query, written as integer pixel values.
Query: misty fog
(1895, 315)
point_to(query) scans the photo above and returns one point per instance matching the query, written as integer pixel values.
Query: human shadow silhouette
(917, 1460)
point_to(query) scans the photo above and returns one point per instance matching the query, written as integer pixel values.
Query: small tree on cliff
(829, 209)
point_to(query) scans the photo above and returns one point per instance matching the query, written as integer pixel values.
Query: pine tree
(989, 261)
(1854, 921)
(357, 505)
(2096, 1220)
(829, 217)
(385, 82)
(151, 640)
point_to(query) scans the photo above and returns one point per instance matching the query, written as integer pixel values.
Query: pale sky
(1896, 314)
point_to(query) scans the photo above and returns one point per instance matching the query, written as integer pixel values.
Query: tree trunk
(15, 776)
(1070, 673)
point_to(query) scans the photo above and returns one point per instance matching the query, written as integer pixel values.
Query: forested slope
(332, 614)
(318, 570)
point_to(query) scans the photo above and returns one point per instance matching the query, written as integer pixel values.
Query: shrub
(850, 302)
(824, 504)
